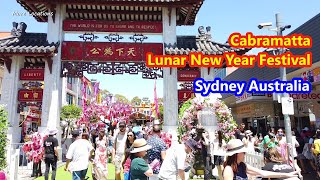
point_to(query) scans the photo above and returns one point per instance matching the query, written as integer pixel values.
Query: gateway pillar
(209, 120)
(170, 95)
(52, 98)
(10, 86)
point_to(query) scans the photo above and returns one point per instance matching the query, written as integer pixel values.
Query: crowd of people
(305, 148)
(140, 155)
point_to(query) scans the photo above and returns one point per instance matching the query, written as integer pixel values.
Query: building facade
(262, 110)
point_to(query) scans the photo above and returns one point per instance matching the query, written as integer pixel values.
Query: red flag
(156, 99)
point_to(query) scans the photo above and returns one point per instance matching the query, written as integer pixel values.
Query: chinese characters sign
(25, 95)
(184, 95)
(105, 51)
(112, 26)
(188, 75)
(32, 74)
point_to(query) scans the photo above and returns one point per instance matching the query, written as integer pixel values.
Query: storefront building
(262, 111)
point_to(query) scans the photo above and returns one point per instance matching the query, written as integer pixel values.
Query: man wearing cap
(174, 163)
(119, 149)
(51, 154)
(79, 152)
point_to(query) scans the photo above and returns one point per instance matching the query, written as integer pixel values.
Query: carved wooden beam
(34, 9)
(169, 14)
(188, 15)
(126, 12)
(50, 62)
(7, 61)
(53, 10)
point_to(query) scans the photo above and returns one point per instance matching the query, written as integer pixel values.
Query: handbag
(127, 176)
(307, 152)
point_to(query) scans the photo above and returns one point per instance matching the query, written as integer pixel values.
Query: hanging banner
(184, 95)
(113, 26)
(188, 75)
(105, 51)
(32, 74)
(30, 95)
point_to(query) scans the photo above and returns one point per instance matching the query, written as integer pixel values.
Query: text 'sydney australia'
(262, 59)
(232, 59)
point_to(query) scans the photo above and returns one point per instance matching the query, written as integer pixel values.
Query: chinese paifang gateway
(296, 85)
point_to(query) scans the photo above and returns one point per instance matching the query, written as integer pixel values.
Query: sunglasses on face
(130, 135)
(121, 126)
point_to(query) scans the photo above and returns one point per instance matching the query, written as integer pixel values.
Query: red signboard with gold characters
(184, 95)
(32, 74)
(25, 95)
(188, 75)
(105, 51)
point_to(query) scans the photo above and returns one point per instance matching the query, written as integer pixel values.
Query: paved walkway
(25, 171)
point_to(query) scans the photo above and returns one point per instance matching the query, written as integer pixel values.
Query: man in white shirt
(119, 149)
(79, 153)
(174, 163)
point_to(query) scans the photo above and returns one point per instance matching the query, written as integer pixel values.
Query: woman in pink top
(100, 167)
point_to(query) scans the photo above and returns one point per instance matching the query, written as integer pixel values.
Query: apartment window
(221, 73)
(88, 91)
(69, 80)
(79, 102)
(69, 98)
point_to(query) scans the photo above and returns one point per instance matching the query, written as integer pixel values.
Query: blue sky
(224, 17)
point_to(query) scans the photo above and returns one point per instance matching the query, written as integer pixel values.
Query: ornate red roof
(114, 10)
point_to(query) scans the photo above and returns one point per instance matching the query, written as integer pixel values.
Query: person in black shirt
(274, 163)
(240, 133)
(51, 154)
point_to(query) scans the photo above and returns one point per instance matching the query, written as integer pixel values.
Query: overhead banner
(106, 51)
(113, 26)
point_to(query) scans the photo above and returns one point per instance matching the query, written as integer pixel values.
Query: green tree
(161, 111)
(70, 112)
(136, 100)
(3, 137)
(160, 100)
(121, 98)
(104, 94)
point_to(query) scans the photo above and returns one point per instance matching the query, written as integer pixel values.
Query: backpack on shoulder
(316, 149)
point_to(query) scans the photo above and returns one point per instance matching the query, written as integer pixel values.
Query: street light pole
(283, 75)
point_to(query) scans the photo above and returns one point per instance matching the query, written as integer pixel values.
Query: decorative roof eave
(191, 6)
(159, 3)
(50, 54)
(24, 44)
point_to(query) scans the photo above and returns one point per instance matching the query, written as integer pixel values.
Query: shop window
(69, 99)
